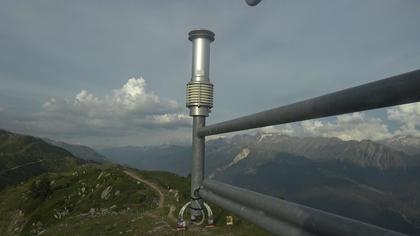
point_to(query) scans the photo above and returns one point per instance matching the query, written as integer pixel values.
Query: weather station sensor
(199, 90)
(199, 100)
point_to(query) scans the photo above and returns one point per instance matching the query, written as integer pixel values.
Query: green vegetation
(182, 186)
(98, 199)
(22, 157)
(45, 190)
(89, 190)
(41, 189)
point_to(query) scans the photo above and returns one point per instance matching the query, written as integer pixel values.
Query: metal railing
(278, 216)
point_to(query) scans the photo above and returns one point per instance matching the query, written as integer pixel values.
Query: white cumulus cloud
(354, 126)
(126, 110)
(133, 97)
(408, 116)
(286, 129)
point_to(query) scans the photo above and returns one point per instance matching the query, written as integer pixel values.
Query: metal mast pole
(199, 100)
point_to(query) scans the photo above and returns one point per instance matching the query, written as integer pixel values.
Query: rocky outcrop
(405, 143)
(106, 193)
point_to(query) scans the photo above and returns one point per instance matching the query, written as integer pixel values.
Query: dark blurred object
(252, 2)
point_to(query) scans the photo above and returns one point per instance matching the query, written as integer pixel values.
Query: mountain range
(394, 153)
(80, 151)
(374, 181)
(406, 143)
(47, 190)
(22, 157)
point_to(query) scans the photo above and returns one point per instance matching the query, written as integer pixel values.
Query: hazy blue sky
(114, 72)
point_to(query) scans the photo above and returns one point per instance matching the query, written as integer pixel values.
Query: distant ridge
(173, 158)
(23, 156)
(365, 153)
(406, 143)
(79, 151)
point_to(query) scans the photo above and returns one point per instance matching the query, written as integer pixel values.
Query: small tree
(41, 189)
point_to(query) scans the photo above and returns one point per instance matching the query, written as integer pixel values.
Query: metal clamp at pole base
(182, 224)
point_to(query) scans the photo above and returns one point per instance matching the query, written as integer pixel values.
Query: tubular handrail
(311, 220)
(396, 90)
(278, 216)
(256, 216)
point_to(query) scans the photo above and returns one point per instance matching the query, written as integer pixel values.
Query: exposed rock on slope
(405, 143)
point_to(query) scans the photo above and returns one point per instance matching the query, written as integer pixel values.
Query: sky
(113, 73)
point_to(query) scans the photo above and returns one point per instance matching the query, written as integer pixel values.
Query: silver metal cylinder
(199, 97)
(200, 100)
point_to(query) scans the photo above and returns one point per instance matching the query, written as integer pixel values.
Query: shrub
(41, 189)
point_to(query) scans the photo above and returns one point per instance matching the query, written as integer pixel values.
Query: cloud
(132, 98)
(135, 111)
(125, 111)
(408, 116)
(355, 126)
(286, 129)
(358, 126)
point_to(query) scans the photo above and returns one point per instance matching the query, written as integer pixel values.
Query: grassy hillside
(48, 191)
(88, 191)
(22, 157)
(97, 199)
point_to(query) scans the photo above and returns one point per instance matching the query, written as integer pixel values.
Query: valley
(364, 180)
(100, 199)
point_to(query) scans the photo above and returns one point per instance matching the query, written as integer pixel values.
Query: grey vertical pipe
(199, 100)
(197, 172)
